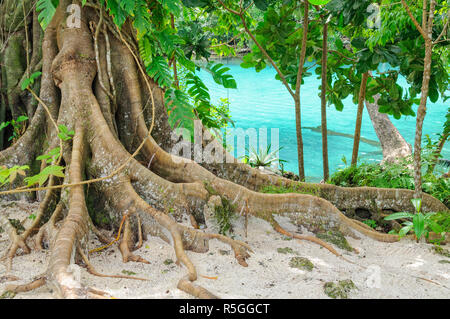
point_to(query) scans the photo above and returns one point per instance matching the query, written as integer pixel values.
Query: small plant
(19, 127)
(420, 223)
(262, 157)
(371, 223)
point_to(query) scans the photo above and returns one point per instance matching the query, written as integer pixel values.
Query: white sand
(392, 270)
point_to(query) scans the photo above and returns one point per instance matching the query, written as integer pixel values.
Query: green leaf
(319, 2)
(399, 216)
(30, 80)
(160, 72)
(419, 225)
(417, 203)
(402, 232)
(46, 9)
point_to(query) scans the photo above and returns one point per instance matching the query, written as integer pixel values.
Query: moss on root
(337, 238)
(339, 290)
(441, 251)
(286, 250)
(301, 263)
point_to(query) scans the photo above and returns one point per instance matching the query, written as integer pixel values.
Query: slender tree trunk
(174, 61)
(437, 153)
(362, 97)
(421, 112)
(392, 142)
(298, 114)
(324, 104)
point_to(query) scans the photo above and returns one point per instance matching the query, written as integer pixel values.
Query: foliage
(371, 223)
(420, 223)
(46, 9)
(392, 175)
(18, 125)
(262, 157)
(8, 175)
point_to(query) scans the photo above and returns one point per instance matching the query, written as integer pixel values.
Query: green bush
(392, 175)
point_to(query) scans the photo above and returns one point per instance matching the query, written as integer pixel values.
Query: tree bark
(323, 113)
(298, 114)
(132, 177)
(361, 99)
(392, 142)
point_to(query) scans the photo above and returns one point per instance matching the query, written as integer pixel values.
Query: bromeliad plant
(262, 157)
(420, 223)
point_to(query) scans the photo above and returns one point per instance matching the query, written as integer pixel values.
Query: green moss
(298, 189)
(337, 238)
(168, 262)
(210, 189)
(8, 295)
(441, 251)
(339, 290)
(301, 263)
(286, 250)
(17, 225)
(129, 273)
(444, 261)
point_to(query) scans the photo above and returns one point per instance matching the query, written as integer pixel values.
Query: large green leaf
(399, 216)
(419, 225)
(46, 9)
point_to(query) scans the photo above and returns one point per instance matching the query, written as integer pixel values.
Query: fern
(159, 70)
(179, 109)
(46, 9)
(218, 72)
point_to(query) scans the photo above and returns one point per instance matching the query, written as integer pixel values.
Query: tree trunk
(120, 149)
(361, 99)
(438, 152)
(323, 110)
(422, 110)
(298, 114)
(392, 142)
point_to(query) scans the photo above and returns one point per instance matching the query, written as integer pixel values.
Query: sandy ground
(391, 270)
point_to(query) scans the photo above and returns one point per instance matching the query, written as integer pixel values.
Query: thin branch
(443, 32)
(419, 28)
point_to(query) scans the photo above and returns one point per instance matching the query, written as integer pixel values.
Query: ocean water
(261, 101)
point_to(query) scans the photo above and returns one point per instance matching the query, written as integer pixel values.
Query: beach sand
(381, 270)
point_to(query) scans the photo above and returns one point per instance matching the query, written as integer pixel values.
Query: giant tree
(102, 114)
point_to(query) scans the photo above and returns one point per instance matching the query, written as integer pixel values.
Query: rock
(339, 290)
(301, 263)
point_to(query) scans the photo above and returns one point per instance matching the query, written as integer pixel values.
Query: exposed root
(20, 240)
(313, 239)
(16, 242)
(48, 230)
(195, 290)
(94, 272)
(126, 246)
(36, 283)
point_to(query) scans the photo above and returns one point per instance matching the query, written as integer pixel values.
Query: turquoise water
(262, 101)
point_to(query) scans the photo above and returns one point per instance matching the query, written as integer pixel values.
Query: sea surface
(261, 101)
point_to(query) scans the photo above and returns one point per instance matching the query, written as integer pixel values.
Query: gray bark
(392, 142)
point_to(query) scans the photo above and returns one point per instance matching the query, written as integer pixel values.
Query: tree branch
(419, 28)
